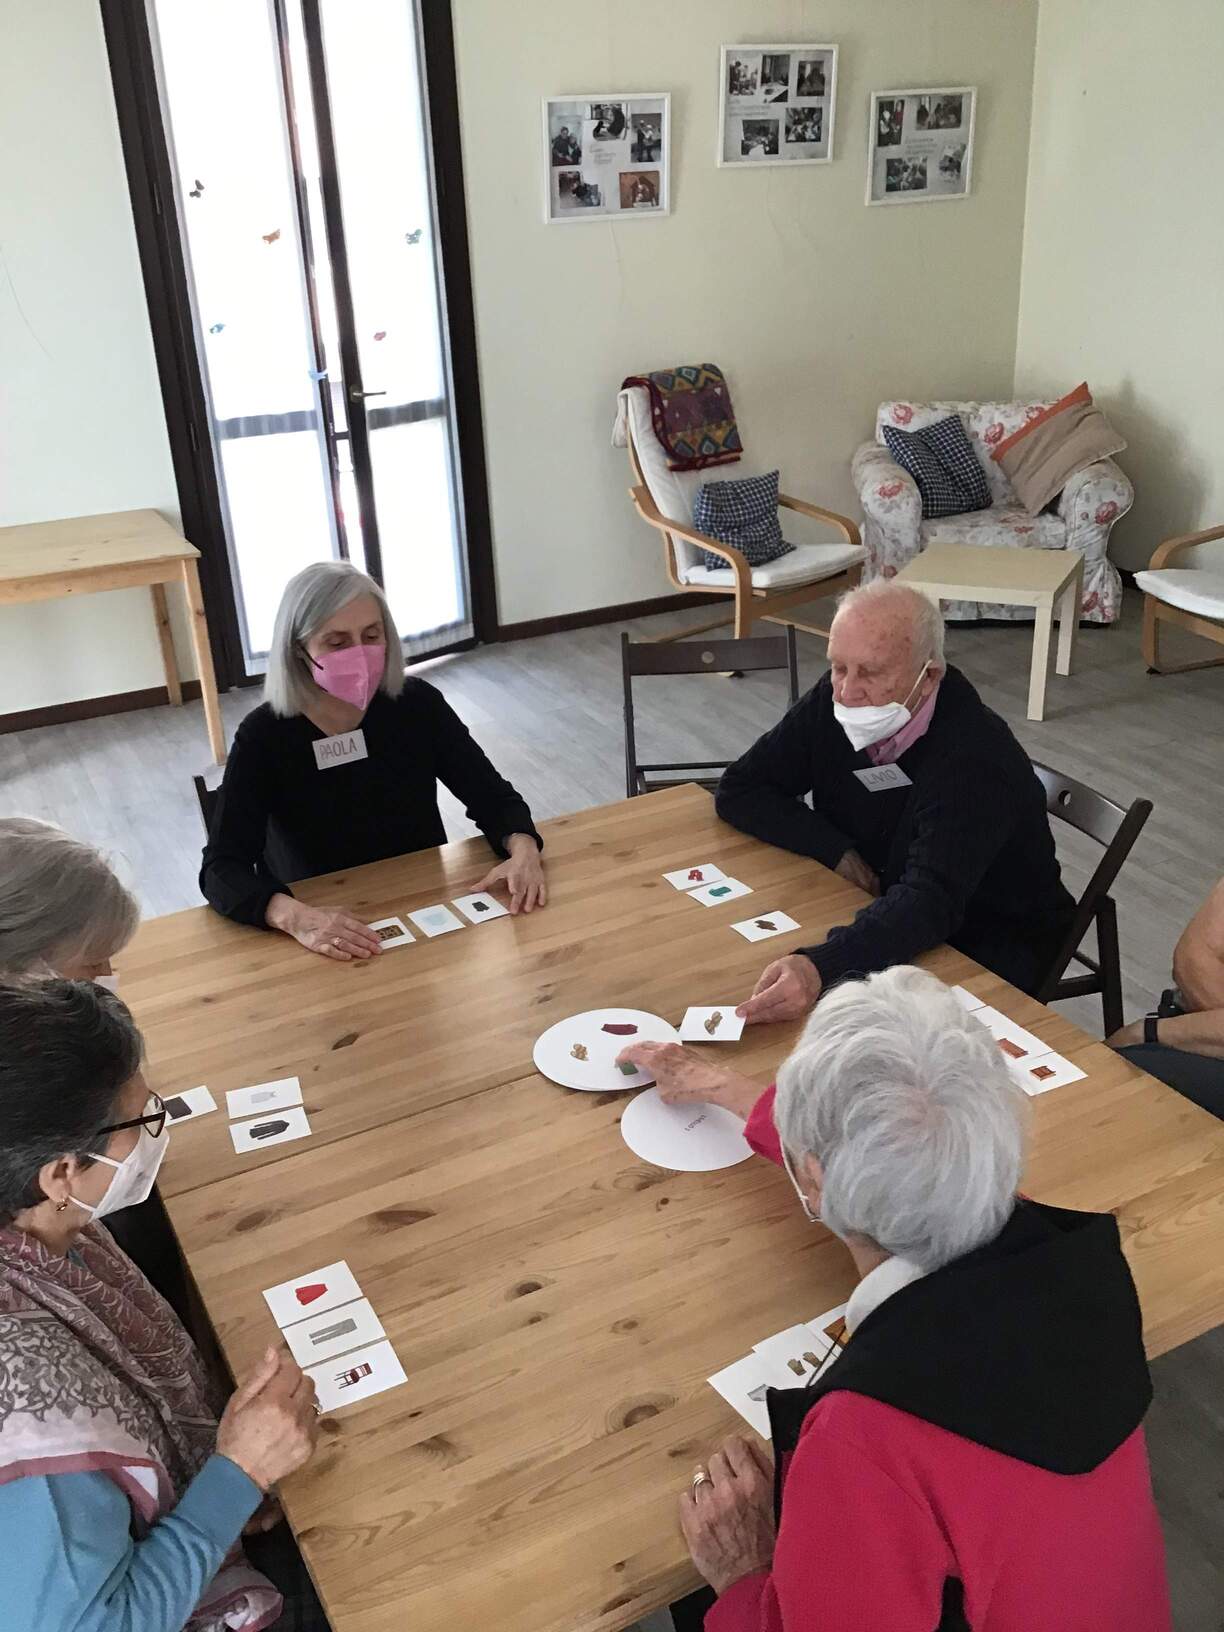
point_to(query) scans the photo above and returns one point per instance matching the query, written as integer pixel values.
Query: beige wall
(1123, 279)
(816, 306)
(81, 426)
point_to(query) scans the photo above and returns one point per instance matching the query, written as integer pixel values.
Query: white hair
(907, 1104)
(920, 612)
(61, 904)
(317, 593)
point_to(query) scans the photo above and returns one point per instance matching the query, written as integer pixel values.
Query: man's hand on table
(855, 869)
(684, 1076)
(332, 932)
(788, 988)
(728, 1518)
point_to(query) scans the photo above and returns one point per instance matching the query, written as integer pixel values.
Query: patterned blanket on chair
(690, 408)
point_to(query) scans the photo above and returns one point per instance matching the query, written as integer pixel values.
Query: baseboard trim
(92, 708)
(609, 614)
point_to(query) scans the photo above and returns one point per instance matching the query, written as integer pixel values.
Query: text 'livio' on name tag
(341, 750)
(877, 778)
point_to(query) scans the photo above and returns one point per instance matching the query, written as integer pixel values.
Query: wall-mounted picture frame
(921, 147)
(776, 104)
(607, 155)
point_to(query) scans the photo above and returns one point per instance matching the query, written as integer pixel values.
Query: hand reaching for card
(787, 989)
(333, 933)
(682, 1076)
(521, 877)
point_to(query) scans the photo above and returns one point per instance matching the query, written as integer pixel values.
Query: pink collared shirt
(889, 751)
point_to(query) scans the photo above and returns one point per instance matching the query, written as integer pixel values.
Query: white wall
(81, 424)
(816, 306)
(1123, 280)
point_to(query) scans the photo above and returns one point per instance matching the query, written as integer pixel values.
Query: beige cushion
(805, 564)
(1041, 458)
(1190, 588)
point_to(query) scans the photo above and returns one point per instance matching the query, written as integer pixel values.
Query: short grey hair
(61, 903)
(906, 1102)
(923, 614)
(317, 593)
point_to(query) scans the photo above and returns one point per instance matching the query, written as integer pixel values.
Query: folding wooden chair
(695, 657)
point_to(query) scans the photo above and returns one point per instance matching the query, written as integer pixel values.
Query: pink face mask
(353, 674)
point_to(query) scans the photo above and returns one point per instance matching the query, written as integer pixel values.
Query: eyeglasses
(154, 1119)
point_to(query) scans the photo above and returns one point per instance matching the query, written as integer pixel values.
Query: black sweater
(964, 855)
(280, 818)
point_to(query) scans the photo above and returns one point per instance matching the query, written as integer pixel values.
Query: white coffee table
(1042, 579)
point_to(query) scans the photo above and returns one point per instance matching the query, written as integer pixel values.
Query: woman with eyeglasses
(340, 766)
(122, 1496)
(973, 1457)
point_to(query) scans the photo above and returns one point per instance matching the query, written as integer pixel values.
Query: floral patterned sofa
(894, 531)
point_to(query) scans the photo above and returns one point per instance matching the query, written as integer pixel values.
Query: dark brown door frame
(151, 186)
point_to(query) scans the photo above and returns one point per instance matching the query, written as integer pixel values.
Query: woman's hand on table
(330, 931)
(683, 1076)
(271, 1423)
(728, 1517)
(521, 877)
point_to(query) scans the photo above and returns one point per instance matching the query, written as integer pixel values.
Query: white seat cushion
(805, 564)
(1190, 588)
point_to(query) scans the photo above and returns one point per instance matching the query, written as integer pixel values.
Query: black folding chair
(1116, 829)
(696, 657)
(207, 785)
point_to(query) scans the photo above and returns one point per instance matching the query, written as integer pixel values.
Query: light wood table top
(37, 560)
(419, 1026)
(967, 571)
(557, 1303)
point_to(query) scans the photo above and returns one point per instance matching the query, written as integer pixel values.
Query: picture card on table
(277, 1129)
(333, 1331)
(800, 1349)
(312, 1293)
(192, 1102)
(436, 920)
(352, 1377)
(392, 932)
(717, 1024)
(966, 999)
(769, 923)
(481, 907)
(743, 1386)
(725, 889)
(264, 1098)
(1016, 1043)
(691, 878)
(1047, 1071)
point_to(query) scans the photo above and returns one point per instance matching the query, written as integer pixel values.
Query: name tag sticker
(341, 750)
(879, 778)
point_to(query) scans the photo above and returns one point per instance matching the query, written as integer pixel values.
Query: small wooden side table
(83, 555)
(1042, 579)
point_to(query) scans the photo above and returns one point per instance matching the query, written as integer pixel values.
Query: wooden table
(557, 1303)
(1043, 579)
(84, 555)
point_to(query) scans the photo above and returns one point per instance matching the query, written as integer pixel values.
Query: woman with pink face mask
(340, 766)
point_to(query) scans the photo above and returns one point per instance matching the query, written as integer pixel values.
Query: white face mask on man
(870, 724)
(134, 1177)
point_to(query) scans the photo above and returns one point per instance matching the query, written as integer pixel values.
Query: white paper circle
(692, 1138)
(598, 1073)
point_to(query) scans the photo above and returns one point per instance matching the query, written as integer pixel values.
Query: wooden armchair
(1190, 593)
(663, 498)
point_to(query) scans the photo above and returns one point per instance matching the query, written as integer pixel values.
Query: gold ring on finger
(701, 1477)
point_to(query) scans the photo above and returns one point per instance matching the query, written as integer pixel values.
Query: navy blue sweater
(964, 855)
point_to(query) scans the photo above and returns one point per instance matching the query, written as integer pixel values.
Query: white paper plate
(598, 1073)
(685, 1138)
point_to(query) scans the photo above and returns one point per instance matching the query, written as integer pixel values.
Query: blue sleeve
(70, 1564)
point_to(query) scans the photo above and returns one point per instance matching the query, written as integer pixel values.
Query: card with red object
(312, 1293)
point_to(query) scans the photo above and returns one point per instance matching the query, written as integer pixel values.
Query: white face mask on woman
(872, 723)
(809, 1212)
(109, 983)
(134, 1177)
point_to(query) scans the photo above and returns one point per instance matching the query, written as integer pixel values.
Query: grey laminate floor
(548, 713)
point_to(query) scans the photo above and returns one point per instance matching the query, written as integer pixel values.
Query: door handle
(357, 395)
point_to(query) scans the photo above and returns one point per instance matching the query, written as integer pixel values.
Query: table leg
(1042, 624)
(204, 662)
(161, 614)
(1069, 605)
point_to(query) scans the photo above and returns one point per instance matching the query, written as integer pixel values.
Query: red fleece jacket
(880, 1509)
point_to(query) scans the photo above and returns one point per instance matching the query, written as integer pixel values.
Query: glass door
(298, 136)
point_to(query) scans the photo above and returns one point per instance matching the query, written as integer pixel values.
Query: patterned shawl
(97, 1374)
(690, 409)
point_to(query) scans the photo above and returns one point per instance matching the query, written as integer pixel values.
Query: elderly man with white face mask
(973, 1460)
(919, 794)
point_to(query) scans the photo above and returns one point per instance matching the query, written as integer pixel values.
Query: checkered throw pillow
(941, 460)
(744, 514)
